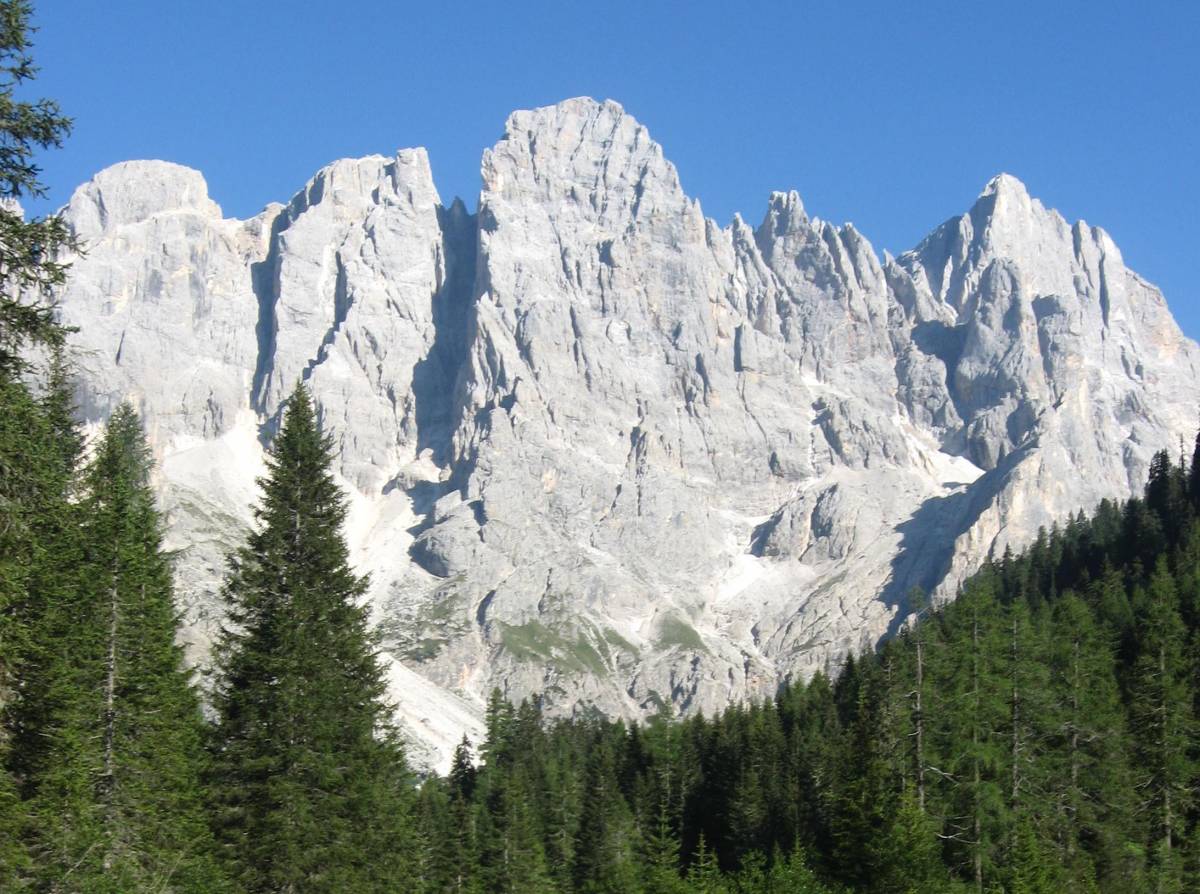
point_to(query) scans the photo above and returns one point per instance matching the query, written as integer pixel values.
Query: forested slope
(1037, 734)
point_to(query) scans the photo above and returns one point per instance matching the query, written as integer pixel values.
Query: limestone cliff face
(600, 447)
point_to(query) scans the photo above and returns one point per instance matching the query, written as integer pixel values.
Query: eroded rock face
(601, 448)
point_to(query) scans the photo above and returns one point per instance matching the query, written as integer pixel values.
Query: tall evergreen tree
(29, 249)
(45, 613)
(1089, 787)
(604, 852)
(1163, 725)
(310, 786)
(116, 796)
(660, 860)
(29, 264)
(972, 747)
(458, 846)
(1194, 475)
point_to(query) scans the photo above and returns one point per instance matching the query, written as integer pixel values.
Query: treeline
(113, 780)
(1039, 734)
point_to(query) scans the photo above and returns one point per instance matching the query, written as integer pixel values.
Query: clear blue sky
(891, 115)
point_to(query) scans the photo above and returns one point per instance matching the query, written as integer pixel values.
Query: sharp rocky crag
(599, 447)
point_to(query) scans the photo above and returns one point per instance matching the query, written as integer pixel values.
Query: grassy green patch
(619, 642)
(424, 649)
(674, 631)
(535, 642)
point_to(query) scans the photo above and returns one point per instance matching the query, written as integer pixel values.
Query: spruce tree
(116, 795)
(29, 264)
(29, 249)
(704, 874)
(457, 847)
(44, 429)
(310, 787)
(1163, 725)
(1194, 475)
(660, 845)
(864, 792)
(971, 746)
(604, 852)
(1089, 787)
(1030, 869)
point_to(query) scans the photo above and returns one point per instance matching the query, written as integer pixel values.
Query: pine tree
(310, 786)
(918, 636)
(604, 853)
(1089, 786)
(1027, 681)
(51, 555)
(907, 851)
(564, 784)
(792, 875)
(973, 750)
(1030, 869)
(499, 719)
(459, 845)
(1163, 725)
(1167, 494)
(29, 491)
(1194, 476)
(660, 859)
(511, 854)
(29, 249)
(864, 794)
(704, 875)
(117, 796)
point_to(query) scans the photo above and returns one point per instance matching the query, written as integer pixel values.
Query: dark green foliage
(1057, 748)
(29, 249)
(1163, 723)
(1037, 735)
(114, 771)
(309, 783)
(31, 476)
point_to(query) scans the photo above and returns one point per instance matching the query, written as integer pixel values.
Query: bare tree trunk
(110, 694)
(1073, 807)
(920, 719)
(1168, 821)
(1016, 719)
(977, 824)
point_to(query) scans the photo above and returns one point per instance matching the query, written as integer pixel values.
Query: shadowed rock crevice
(437, 375)
(928, 537)
(264, 280)
(740, 428)
(436, 387)
(342, 300)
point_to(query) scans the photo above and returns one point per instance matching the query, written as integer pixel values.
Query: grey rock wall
(600, 447)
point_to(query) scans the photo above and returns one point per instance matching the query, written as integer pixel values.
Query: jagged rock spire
(601, 447)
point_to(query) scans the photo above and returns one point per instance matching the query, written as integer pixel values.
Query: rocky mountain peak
(1006, 219)
(1006, 186)
(599, 447)
(374, 180)
(587, 154)
(785, 215)
(133, 191)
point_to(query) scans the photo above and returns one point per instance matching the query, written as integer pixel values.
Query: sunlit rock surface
(599, 447)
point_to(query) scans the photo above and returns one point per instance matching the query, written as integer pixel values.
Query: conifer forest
(1038, 734)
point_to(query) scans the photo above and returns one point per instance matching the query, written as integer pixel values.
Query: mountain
(599, 447)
